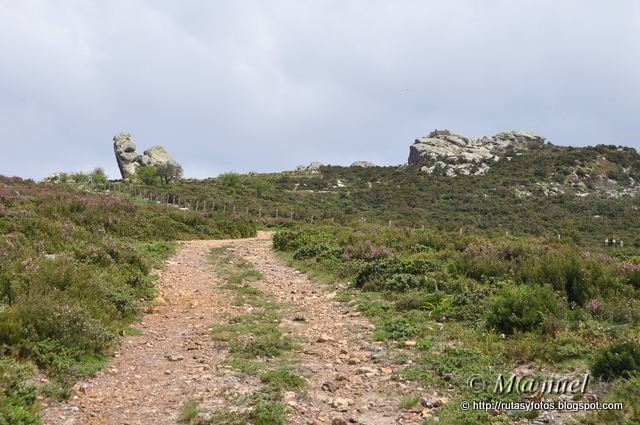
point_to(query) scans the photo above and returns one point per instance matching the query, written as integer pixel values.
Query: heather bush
(366, 251)
(401, 328)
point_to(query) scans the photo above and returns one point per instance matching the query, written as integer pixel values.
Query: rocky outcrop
(314, 166)
(129, 159)
(127, 155)
(446, 153)
(363, 164)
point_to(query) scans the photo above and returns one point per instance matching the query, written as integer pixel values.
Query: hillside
(585, 195)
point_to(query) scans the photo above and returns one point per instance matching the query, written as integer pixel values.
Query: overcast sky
(266, 85)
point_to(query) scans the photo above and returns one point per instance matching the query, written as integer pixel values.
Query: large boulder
(447, 153)
(129, 159)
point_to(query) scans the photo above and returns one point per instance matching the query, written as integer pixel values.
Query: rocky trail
(348, 377)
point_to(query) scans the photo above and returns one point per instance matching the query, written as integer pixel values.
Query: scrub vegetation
(75, 271)
(484, 303)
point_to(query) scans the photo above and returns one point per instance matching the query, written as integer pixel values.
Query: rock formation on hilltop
(363, 164)
(129, 159)
(314, 166)
(447, 153)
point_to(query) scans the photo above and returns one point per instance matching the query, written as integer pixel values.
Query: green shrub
(147, 175)
(267, 412)
(408, 402)
(189, 411)
(522, 308)
(231, 180)
(98, 176)
(261, 186)
(169, 172)
(268, 345)
(468, 304)
(291, 240)
(124, 300)
(80, 177)
(401, 328)
(376, 271)
(282, 379)
(617, 360)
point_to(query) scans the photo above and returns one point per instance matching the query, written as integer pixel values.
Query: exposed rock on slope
(129, 159)
(443, 152)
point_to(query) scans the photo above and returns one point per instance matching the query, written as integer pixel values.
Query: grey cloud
(252, 85)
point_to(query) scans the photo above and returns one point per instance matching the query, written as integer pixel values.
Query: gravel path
(175, 360)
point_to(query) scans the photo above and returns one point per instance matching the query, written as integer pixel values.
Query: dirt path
(175, 359)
